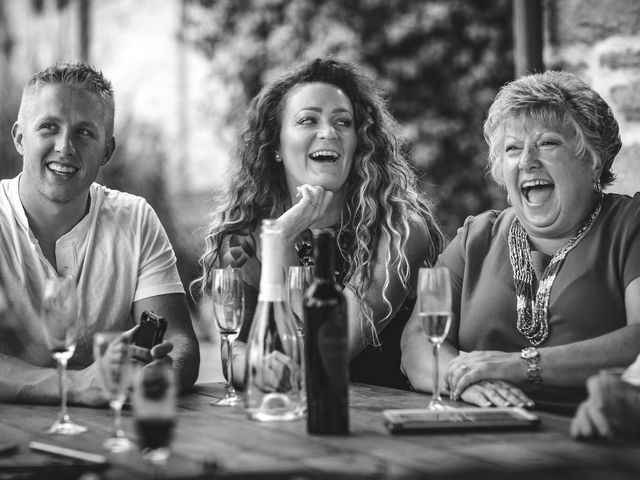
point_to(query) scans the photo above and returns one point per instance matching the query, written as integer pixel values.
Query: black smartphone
(151, 330)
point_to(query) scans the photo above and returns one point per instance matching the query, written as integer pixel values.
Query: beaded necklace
(533, 309)
(304, 248)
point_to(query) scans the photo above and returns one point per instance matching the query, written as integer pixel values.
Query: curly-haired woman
(321, 151)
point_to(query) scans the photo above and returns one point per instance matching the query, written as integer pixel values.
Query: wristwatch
(531, 357)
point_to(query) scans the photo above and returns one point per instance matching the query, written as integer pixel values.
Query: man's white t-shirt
(118, 253)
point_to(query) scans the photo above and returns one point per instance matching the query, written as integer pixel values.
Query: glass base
(66, 428)
(275, 407)
(156, 456)
(437, 404)
(268, 417)
(231, 401)
(118, 444)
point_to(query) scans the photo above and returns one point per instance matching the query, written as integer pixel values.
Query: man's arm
(21, 382)
(186, 352)
(24, 383)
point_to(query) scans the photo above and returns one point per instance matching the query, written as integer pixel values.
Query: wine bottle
(325, 317)
(273, 361)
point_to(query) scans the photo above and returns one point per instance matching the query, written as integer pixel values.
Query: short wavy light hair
(556, 99)
(76, 75)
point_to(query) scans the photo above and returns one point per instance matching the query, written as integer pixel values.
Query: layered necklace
(533, 308)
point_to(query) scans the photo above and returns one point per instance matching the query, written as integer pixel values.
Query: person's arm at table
(180, 339)
(417, 365)
(563, 365)
(417, 355)
(21, 382)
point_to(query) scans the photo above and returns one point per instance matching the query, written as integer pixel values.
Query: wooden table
(220, 442)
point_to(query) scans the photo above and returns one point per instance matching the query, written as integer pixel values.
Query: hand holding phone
(150, 333)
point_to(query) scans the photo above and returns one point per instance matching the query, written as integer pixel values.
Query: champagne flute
(300, 279)
(228, 311)
(59, 314)
(434, 309)
(111, 353)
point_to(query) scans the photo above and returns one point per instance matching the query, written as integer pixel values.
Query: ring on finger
(315, 205)
(465, 369)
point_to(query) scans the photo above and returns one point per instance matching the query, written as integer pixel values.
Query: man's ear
(108, 152)
(18, 137)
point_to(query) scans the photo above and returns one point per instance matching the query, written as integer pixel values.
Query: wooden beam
(528, 38)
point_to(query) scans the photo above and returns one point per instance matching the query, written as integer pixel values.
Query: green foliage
(441, 61)
(10, 161)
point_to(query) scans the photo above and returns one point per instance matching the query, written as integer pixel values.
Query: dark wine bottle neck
(324, 252)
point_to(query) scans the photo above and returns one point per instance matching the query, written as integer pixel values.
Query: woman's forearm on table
(572, 364)
(417, 357)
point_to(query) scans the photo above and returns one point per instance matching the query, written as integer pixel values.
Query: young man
(54, 221)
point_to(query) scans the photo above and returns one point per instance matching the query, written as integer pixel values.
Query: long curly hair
(381, 198)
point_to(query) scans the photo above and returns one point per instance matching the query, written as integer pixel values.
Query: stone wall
(599, 40)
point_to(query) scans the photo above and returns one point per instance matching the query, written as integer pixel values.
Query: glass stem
(230, 391)
(303, 383)
(117, 420)
(62, 377)
(436, 373)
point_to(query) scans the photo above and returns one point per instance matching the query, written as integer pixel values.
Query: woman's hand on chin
(311, 207)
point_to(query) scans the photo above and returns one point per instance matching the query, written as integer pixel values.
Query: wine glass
(154, 407)
(59, 314)
(300, 278)
(434, 309)
(112, 355)
(228, 310)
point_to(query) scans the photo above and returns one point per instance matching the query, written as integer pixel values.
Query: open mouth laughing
(61, 169)
(536, 191)
(324, 156)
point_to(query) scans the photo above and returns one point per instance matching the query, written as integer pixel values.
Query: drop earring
(597, 186)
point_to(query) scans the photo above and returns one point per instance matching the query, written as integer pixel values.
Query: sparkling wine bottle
(273, 362)
(325, 316)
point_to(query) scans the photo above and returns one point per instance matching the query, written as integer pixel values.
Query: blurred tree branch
(441, 61)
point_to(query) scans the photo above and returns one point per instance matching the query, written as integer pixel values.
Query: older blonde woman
(547, 291)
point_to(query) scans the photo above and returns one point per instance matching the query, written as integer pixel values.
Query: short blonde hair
(558, 99)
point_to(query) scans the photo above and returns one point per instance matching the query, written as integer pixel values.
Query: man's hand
(145, 355)
(275, 373)
(85, 387)
(612, 410)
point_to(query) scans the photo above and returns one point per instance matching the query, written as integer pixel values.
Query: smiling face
(318, 137)
(550, 188)
(61, 134)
